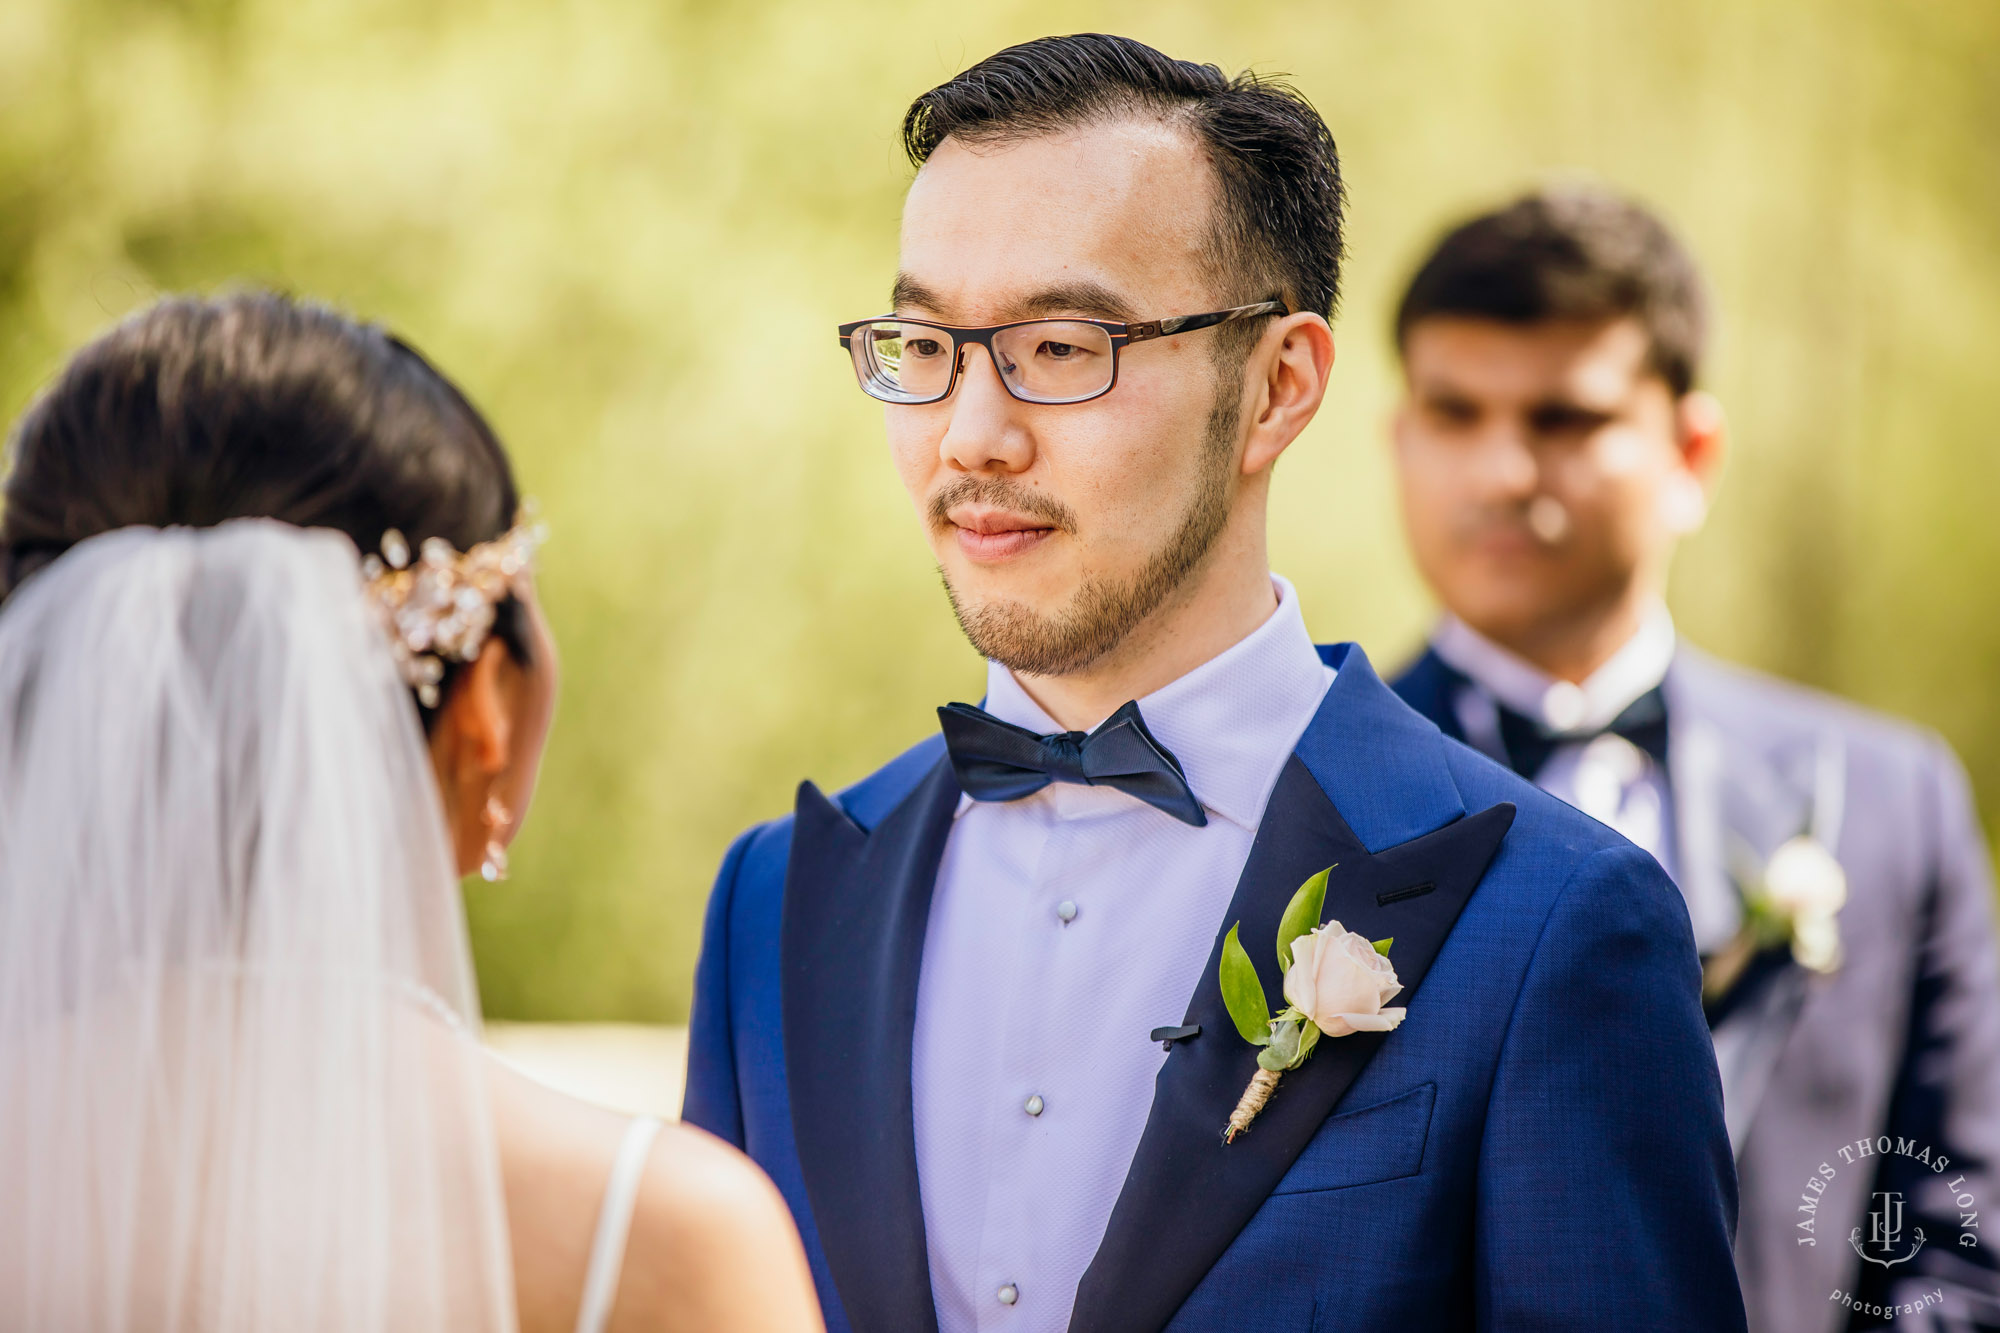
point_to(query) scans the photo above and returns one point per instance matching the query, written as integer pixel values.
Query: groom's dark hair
(1279, 218)
(1576, 253)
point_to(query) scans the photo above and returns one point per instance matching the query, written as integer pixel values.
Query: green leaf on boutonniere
(1301, 915)
(1382, 946)
(1292, 1040)
(1283, 1050)
(1243, 993)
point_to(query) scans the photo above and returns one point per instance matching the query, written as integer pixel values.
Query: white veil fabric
(240, 1081)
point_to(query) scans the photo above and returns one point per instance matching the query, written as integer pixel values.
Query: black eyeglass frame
(1121, 335)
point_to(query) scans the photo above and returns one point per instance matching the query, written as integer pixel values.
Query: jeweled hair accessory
(440, 608)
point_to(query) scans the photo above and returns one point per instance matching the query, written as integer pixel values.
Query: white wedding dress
(240, 1080)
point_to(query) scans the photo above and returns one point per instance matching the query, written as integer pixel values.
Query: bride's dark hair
(254, 405)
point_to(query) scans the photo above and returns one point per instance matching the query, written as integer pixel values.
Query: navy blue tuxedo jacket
(1539, 1145)
(1903, 1040)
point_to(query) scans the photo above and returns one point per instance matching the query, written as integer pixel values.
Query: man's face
(1059, 528)
(1542, 469)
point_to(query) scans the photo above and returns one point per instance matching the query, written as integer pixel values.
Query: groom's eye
(1058, 351)
(923, 347)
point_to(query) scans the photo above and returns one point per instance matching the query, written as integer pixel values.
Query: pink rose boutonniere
(1336, 984)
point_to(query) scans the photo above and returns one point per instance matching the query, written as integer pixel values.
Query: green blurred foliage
(587, 210)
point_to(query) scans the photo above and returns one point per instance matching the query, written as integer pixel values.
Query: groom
(966, 1012)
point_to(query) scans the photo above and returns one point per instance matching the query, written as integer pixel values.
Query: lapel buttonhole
(1399, 895)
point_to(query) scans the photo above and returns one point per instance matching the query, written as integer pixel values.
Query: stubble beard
(1102, 613)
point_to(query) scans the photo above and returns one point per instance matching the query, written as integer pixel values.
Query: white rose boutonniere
(1804, 889)
(1340, 982)
(1336, 984)
(1793, 899)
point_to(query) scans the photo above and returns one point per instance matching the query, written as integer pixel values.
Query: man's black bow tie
(1530, 743)
(998, 761)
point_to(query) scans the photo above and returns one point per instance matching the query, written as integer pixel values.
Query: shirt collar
(1638, 666)
(1231, 722)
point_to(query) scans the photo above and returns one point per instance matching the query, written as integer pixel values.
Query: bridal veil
(240, 1085)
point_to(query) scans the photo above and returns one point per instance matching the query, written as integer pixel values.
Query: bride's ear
(471, 746)
(478, 707)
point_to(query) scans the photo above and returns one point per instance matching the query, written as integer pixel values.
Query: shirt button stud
(1034, 1106)
(1065, 911)
(1009, 1294)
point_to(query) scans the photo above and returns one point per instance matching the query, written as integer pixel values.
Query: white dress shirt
(1065, 927)
(1608, 778)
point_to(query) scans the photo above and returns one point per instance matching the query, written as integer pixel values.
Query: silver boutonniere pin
(1336, 983)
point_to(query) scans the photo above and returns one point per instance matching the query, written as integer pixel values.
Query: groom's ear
(1294, 358)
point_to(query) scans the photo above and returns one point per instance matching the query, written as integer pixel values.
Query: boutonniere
(1792, 899)
(1336, 983)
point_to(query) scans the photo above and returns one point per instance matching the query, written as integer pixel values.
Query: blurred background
(628, 227)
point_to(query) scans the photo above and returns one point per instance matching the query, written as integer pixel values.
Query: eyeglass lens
(1047, 361)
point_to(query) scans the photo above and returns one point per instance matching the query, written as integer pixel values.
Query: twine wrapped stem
(1261, 1087)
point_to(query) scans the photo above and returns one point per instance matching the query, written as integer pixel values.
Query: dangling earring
(496, 817)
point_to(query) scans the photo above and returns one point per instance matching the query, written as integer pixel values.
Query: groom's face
(1060, 528)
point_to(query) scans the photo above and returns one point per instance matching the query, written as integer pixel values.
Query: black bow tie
(998, 761)
(1529, 743)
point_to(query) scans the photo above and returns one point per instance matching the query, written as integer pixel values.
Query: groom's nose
(986, 432)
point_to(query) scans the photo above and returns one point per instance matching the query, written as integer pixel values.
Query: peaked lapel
(1188, 1194)
(852, 939)
(1379, 761)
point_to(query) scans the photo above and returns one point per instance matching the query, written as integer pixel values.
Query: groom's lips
(995, 534)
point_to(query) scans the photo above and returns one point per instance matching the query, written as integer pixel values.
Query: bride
(270, 673)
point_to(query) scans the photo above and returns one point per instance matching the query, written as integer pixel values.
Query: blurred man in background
(1552, 448)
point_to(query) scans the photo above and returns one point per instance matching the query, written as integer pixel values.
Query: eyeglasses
(1039, 360)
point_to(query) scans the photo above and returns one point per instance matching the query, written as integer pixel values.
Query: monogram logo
(1885, 1233)
(1887, 1238)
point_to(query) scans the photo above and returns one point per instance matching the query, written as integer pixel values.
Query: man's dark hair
(1280, 196)
(194, 412)
(1568, 254)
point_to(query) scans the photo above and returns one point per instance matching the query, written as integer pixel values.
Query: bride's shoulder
(709, 1207)
(693, 1173)
(711, 1242)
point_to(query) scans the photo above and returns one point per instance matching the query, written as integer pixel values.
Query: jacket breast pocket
(1365, 1146)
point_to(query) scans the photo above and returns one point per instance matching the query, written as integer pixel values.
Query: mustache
(998, 494)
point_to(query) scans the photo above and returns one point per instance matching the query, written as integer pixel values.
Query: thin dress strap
(614, 1223)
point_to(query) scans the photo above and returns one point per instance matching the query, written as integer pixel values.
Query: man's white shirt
(1065, 926)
